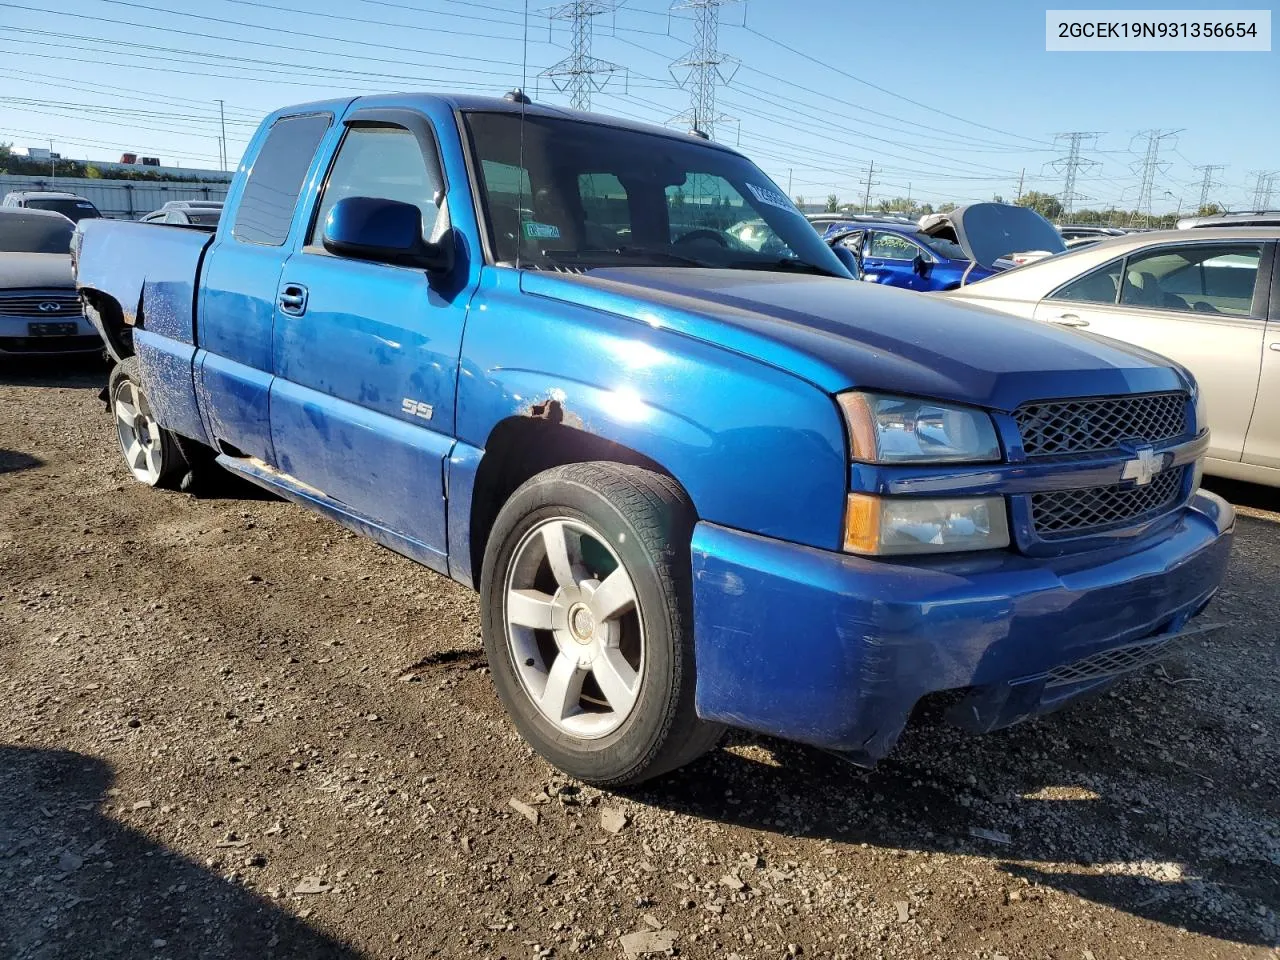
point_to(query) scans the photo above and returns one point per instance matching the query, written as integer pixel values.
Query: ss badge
(416, 408)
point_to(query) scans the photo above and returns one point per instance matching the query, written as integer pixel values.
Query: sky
(950, 101)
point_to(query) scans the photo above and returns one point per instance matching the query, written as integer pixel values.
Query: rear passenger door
(1262, 445)
(239, 278)
(362, 407)
(1195, 302)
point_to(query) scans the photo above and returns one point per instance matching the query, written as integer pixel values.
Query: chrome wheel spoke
(530, 608)
(615, 596)
(617, 679)
(125, 413)
(134, 455)
(149, 460)
(560, 697)
(563, 549)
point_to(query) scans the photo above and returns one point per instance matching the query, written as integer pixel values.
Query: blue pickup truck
(697, 485)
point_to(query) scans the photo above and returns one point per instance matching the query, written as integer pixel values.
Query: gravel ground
(231, 729)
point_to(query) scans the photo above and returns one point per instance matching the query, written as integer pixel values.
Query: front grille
(1055, 428)
(1109, 663)
(1065, 513)
(29, 306)
(50, 344)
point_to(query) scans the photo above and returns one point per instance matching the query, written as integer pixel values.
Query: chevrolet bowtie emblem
(1143, 470)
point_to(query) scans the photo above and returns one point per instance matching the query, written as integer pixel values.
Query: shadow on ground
(940, 785)
(14, 461)
(70, 371)
(75, 883)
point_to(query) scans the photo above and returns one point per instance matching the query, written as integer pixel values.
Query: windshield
(76, 210)
(947, 249)
(25, 233)
(588, 194)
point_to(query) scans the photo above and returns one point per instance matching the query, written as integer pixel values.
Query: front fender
(756, 448)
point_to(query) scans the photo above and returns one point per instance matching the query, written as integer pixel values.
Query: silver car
(1207, 298)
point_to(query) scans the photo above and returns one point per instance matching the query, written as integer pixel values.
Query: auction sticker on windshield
(1158, 30)
(772, 198)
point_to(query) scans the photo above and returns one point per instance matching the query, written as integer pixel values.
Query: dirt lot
(231, 729)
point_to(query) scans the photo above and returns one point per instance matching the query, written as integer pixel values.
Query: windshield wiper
(788, 264)
(630, 253)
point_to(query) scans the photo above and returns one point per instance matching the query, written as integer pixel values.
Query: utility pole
(866, 198)
(576, 74)
(222, 144)
(703, 66)
(1070, 166)
(1150, 167)
(52, 174)
(1207, 183)
(1021, 178)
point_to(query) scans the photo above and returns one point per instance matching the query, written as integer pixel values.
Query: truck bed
(150, 274)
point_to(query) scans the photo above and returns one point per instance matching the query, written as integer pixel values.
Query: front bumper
(16, 339)
(835, 650)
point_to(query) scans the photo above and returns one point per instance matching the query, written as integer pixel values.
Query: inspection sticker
(541, 231)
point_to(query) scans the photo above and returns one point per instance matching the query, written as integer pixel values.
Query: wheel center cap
(581, 623)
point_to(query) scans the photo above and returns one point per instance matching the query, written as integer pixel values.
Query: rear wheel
(586, 600)
(152, 453)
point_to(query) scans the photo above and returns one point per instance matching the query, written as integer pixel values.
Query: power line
(576, 74)
(704, 65)
(1263, 184)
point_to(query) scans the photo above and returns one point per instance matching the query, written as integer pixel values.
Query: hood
(22, 270)
(990, 231)
(840, 334)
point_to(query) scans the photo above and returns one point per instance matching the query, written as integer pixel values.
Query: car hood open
(840, 334)
(989, 231)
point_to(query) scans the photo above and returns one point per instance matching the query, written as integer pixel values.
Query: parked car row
(609, 375)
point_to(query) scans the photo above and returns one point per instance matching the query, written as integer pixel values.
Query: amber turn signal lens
(883, 526)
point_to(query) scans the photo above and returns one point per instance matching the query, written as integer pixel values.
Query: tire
(542, 608)
(155, 456)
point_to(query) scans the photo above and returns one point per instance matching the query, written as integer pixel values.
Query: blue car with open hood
(697, 482)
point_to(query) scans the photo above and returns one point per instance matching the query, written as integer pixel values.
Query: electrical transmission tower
(1070, 166)
(577, 73)
(703, 66)
(1150, 167)
(1263, 184)
(1207, 183)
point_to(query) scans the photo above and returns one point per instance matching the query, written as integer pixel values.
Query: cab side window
(1099, 286)
(383, 162)
(890, 246)
(275, 181)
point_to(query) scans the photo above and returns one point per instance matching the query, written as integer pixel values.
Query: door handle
(1274, 346)
(1069, 320)
(293, 299)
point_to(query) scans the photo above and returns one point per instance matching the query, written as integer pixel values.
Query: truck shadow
(13, 461)
(76, 883)
(73, 372)
(1055, 805)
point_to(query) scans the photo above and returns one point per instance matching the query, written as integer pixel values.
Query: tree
(833, 203)
(1045, 204)
(997, 199)
(924, 209)
(946, 207)
(1208, 210)
(799, 201)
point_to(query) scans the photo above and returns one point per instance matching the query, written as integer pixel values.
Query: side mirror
(372, 228)
(849, 259)
(921, 265)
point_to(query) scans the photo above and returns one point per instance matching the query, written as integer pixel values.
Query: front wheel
(587, 621)
(151, 452)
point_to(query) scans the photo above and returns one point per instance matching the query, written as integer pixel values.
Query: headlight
(888, 429)
(881, 526)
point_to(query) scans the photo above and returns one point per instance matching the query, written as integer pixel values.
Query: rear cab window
(270, 196)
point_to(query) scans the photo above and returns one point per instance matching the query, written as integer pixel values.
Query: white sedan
(1208, 298)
